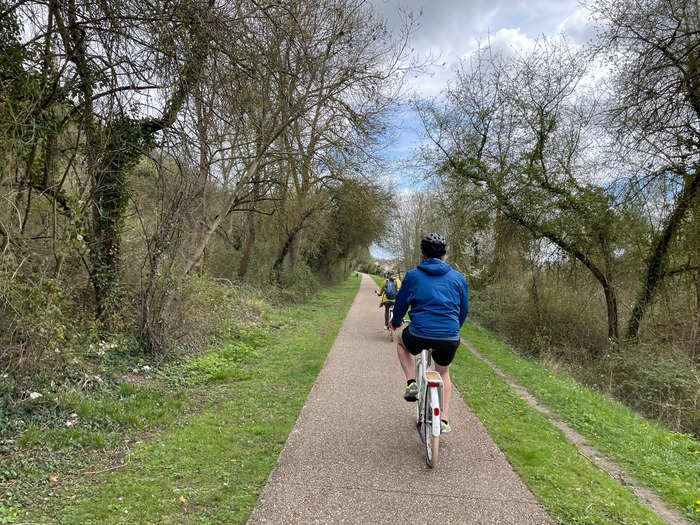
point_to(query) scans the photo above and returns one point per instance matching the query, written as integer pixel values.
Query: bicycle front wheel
(431, 441)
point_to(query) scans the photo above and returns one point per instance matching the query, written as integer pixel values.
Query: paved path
(354, 455)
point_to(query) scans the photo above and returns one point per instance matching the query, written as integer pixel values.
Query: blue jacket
(439, 300)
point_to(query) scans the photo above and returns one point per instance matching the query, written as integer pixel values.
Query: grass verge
(211, 466)
(378, 280)
(667, 462)
(567, 484)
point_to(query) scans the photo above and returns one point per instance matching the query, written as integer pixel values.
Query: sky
(449, 31)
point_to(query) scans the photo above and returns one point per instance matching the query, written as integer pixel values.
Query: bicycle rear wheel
(432, 443)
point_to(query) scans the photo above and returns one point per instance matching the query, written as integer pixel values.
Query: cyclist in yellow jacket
(389, 290)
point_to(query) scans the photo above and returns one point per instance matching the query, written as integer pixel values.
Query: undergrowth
(659, 378)
(108, 392)
(210, 458)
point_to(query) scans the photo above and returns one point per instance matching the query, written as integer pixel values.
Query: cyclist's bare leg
(386, 314)
(406, 359)
(444, 372)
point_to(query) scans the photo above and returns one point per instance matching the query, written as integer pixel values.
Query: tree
(350, 80)
(356, 215)
(415, 215)
(518, 129)
(114, 76)
(655, 112)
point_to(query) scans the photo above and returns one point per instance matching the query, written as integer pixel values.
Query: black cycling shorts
(443, 351)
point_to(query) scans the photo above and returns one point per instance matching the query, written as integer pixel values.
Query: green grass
(210, 467)
(98, 420)
(72, 430)
(569, 486)
(9, 513)
(666, 461)
(223, 365)
(102, 413)
(378, 280)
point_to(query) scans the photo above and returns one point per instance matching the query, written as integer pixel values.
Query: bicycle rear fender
(435, 404)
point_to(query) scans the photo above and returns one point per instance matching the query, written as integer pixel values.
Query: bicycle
(391, 313)
(429, 406)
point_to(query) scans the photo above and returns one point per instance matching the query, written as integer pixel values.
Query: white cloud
(578, 26)
(449, 31)
(510, 41)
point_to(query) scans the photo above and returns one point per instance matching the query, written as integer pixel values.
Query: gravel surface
(354, 455)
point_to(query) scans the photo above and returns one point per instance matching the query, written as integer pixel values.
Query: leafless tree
(517, 128)
(654, 46)
(354, 79)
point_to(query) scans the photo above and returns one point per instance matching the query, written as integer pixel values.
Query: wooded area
(566, 179)
(153, 151)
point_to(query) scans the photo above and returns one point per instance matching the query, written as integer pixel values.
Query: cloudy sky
(450, 30)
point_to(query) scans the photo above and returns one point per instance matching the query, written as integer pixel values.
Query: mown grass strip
(667, 462)
(569, 486)
(378, 280)
(211, 468)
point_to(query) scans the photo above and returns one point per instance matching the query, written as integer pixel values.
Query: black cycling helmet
(433, 245)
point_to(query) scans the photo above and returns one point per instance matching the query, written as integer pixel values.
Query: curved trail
(354, 455)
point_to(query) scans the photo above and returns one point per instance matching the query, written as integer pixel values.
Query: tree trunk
(202, 263)
(204, 241)
(5, 240)
(695, 328)
(277, 267)
(294, 251)
(203, 244)
(110, 202)
(611, 307)
(507, 256)
(26, 183)
(536, 296)
(291, 239)
(249, 244)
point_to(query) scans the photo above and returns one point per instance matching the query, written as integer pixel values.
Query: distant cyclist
(389, 291)
(439, 301)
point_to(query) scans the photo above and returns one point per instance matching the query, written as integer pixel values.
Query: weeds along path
(354, 455)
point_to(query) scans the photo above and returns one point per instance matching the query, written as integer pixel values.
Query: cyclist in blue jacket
(439, 301)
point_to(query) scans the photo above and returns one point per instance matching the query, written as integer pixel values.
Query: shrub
(568, 330)
(659, 382)
(563, 320)
(298, 283)
(206, 309)
(45, 336)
